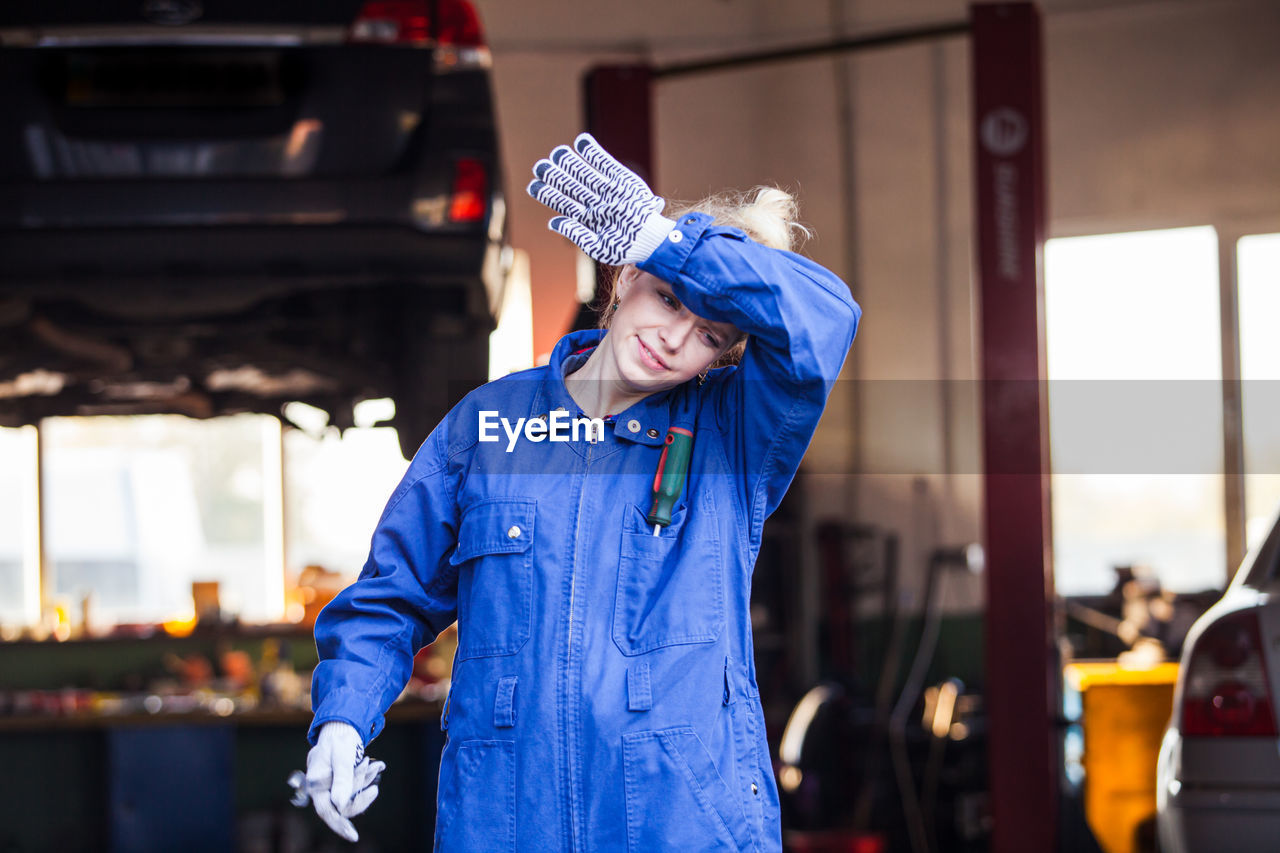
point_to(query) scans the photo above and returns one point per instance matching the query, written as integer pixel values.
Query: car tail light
(409, 22)
(1226, 692)
(468, 200)
(459, 24)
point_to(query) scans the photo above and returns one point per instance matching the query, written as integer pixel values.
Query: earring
(614, 306)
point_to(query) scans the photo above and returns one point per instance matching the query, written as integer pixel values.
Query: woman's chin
(649, 382)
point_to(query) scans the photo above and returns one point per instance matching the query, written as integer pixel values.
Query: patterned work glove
(606, 209)
(341, 779)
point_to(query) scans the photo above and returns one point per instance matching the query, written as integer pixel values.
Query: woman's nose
(674, 334)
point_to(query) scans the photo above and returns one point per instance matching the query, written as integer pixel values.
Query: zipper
(571, 681)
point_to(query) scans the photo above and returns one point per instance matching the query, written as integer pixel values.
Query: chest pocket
(495, 577)
(670, 586)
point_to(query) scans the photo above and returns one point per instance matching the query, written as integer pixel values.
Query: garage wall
(1158, 114)
(1163, 115)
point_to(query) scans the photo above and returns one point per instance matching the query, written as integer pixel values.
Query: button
(754, 789)
(513, 532)
(675, 236)
(633, 425)
(652, 433)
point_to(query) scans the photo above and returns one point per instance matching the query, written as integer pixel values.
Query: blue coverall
(603, 693)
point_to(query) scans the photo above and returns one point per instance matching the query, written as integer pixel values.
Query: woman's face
(656, 342)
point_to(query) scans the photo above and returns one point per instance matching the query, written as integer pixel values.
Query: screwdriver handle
(673, 470)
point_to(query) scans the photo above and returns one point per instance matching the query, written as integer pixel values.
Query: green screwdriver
(673, 469)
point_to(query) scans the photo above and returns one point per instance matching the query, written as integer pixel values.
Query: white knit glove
(606, 209)
(341, 779)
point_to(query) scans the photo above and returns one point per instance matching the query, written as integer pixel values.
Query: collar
(644, 422)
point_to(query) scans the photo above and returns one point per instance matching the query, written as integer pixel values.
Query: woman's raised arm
(801, 320)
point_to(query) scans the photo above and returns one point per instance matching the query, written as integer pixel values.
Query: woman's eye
(711, 341)
(668, 300)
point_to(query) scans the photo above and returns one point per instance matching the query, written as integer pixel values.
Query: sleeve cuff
(346, 706)
(651, 236)
(668, 258)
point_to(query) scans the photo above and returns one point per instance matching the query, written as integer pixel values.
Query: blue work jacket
(603, 693)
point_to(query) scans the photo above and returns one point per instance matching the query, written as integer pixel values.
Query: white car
(1218, 776)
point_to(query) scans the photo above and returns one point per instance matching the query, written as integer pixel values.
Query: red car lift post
(1022, 675)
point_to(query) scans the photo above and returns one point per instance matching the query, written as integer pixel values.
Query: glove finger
(319, 772)
(558, 153)
(344, 784)
(603, 162)
(367, 773)
(587, 240)
(544, 166)
(546, 194)
(582, 172)
(337, 822)
(334, 820)
(560, 179)
(574, 231)
(361, 802)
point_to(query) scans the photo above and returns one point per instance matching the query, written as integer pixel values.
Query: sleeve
(801, 320)
(404, 597)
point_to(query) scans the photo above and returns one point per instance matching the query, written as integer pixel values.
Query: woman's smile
(650, 359)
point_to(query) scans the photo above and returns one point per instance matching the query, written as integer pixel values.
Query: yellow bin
(1124, 714)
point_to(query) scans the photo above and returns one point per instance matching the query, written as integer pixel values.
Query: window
(139, 508)
(1258, 277)
(336, 488)
(19, 569)
(1135, 408)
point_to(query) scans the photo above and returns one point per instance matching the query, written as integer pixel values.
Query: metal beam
(889, 38)
(1022, 674)
(1233, 482)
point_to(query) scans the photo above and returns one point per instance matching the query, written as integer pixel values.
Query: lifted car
(218, 208)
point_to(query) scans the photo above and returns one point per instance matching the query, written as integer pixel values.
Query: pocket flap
(503, 526)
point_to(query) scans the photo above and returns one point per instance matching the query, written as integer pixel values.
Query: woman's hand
(341, 780)
(606, 209)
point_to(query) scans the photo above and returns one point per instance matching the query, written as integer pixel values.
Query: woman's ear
(626, 279)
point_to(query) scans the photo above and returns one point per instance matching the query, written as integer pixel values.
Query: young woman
(603, 693)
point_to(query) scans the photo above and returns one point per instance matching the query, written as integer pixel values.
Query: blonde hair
(768, 215)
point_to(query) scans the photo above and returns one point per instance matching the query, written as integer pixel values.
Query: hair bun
(772, 215)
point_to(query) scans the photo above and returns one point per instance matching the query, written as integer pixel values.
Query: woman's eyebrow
(723, 330)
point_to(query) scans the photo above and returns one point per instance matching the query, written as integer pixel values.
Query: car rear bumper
(1220, 819)
(320, 251)
(120, 269)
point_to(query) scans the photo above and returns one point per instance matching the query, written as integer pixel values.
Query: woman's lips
(649, 358)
